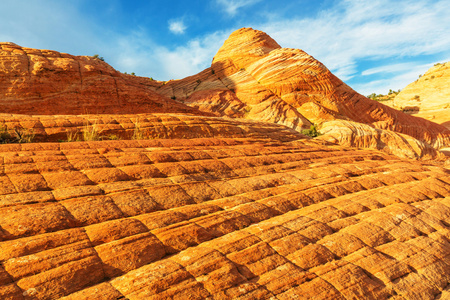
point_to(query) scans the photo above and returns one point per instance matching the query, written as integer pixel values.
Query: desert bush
(73, 136)
(137, 132)
(112, 137)
(98, 57)
(91, 132)
(19, 135)
(312, 131)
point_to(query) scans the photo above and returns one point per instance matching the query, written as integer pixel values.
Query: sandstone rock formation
(43, 82)
(199, 203)
(140, 126)
(251, 77)
(220, 218)
(429, 96)
(289, 87)
(352, 134)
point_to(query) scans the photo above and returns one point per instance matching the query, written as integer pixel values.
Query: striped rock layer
(45, 82)
(183, 205)
(252, 76)
(270, 217)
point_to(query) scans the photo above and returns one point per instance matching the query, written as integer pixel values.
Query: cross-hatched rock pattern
(218, 218)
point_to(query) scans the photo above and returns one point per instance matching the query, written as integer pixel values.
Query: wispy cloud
(231, 7)
(394, 68)
(398, 81)
(140, 55)
(352, 30)
(177, 26)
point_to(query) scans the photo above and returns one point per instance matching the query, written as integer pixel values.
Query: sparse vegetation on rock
(16, 135)
(96, 56)
(311, 132)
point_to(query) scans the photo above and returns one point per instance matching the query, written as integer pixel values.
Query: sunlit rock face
(278, 215)
(353, 134)
(34, 81)
(262, 81)
(429, 96)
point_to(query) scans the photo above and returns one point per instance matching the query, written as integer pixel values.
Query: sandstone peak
(253, 77)
(246, 44)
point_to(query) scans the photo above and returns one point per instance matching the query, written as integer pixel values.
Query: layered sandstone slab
(429, 96)
(353, 134)
(46, 82)
(56, 128)
(220, 218)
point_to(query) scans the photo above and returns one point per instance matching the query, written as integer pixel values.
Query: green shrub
(98, 57)
(312, 131)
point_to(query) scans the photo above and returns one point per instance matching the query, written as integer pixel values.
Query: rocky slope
(251, 76)
(248, 218)
(47, 82)
(429, 96)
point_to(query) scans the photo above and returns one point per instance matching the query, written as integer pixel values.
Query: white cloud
(140, 55)
(353, 30)
(191, 58)
(177, 26)
(398, 81)
(387, 69)
(231, 6)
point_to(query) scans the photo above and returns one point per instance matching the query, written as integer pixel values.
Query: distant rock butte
(429, 96)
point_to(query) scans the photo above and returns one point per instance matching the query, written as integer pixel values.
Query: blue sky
(373, 45)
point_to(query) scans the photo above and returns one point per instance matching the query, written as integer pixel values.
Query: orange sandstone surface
(210, 191)
(45, 82)
(220, 218)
